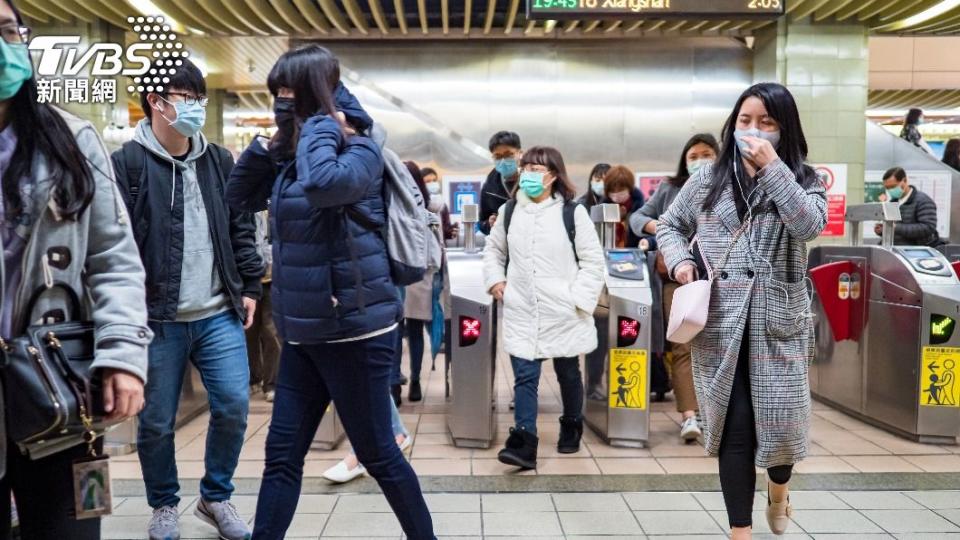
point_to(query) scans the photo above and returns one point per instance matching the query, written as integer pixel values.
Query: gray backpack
(410, 232)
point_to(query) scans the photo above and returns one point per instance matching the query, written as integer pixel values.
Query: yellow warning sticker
(628, 379)
(938, 377)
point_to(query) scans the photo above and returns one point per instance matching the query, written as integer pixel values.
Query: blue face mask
(532, 183)
(15, 68)
(597, 188)
(190, 118)
(895, 193)
(506, 167)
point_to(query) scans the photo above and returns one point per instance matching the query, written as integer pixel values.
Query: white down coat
(549, 299)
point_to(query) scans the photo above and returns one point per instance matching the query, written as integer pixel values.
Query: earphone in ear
(749, 233)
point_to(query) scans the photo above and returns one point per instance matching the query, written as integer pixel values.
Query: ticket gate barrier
(952, 252)
(122, 438)
(887, 347)
(618, 373)
(330, 432)
(473, 345)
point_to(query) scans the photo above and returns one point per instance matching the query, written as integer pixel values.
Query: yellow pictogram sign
(628, 379)
(939, 386)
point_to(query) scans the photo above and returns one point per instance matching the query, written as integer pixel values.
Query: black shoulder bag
(53, 397)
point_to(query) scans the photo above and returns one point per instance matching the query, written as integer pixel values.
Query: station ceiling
(418, 19)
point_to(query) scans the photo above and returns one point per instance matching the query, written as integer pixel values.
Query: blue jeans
(415, 340)
(218, 348)
(526, 375)
(356, 376)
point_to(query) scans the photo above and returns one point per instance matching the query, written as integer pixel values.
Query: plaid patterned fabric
(771, 306)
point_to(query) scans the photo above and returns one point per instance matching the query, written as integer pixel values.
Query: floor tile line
(938, 512)
(874, 522)
(634, 514)
(333, 509)
(556, 512)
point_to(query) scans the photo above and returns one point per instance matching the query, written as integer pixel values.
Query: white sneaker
(690, 430)
(341, 474)
(407, 443)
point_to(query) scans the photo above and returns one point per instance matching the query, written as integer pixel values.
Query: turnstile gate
(330, 431)
(472, 346)
(618, 373)
(887, 347)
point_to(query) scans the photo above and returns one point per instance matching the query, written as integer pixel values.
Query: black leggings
(738, 476)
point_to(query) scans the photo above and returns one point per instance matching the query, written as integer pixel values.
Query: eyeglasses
(190, 99)
(15, 34)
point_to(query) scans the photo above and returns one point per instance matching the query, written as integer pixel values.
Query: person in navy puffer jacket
(335, 306)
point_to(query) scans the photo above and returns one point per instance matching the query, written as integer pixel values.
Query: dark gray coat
(770, 299)
(918, 221)
(654, 208)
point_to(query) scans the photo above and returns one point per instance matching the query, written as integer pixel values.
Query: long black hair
(312, 72)
(683, 174)
(41, 129)
(913, 117)
(951, 154)
(417, 175)
(792, 149)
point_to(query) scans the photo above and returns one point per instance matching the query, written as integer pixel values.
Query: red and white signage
(834, 178)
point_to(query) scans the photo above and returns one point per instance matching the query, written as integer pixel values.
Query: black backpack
(569, 222)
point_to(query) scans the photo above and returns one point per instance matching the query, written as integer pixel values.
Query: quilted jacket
(331, 276)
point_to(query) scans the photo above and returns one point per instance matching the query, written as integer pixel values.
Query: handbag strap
(726, 255)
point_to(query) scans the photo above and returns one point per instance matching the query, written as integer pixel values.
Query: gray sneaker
(165, 524)
(225, 518)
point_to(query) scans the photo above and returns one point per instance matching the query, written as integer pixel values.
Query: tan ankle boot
(778, 514)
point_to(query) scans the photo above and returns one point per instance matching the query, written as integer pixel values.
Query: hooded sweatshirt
(201, 291)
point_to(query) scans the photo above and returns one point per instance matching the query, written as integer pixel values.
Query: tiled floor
(841, 444)
(834, 515)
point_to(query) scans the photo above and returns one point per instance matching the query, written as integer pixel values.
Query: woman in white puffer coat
(549, 281)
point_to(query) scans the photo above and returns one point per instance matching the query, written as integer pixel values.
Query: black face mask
(283, 112)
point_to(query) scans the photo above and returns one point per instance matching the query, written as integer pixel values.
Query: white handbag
(691, 302)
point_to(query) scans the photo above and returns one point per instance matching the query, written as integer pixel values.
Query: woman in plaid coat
(752, 213)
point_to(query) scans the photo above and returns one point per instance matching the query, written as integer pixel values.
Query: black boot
(416, 394)
(571, 429)
(520, 450)
(396, 392)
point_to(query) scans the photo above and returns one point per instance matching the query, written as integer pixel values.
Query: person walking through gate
(753, 212)
(543, 260)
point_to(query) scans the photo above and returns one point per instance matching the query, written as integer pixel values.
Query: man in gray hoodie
(203, 284)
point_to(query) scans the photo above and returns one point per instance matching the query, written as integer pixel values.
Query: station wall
(633, 102)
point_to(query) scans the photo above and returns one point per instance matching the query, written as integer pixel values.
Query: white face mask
(433, 188)
(695, 165)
